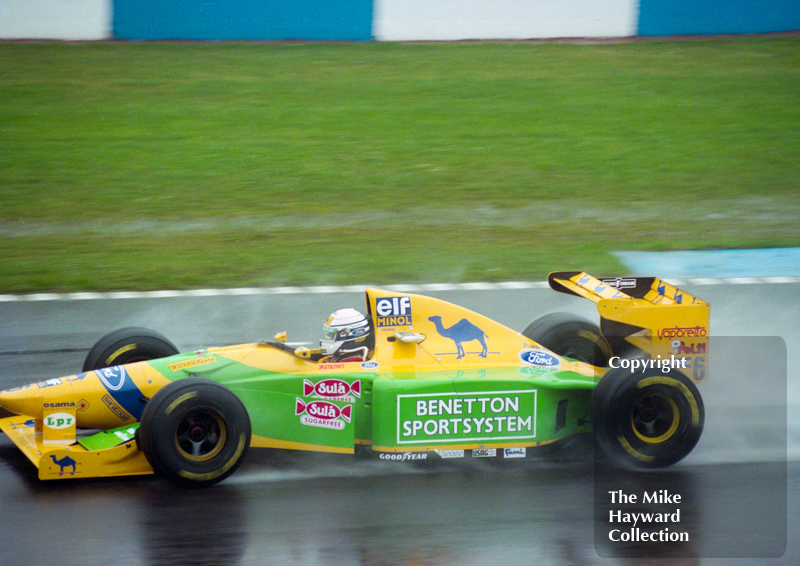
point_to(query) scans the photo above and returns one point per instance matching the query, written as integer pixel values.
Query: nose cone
(103, 399)
(24, 400)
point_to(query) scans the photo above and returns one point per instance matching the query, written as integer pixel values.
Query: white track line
(426, 287)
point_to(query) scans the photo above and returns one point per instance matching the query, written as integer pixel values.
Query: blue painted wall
(349, 20)
(681, 17)
(352, 20)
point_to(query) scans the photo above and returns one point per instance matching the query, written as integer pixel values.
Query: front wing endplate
(73, 461)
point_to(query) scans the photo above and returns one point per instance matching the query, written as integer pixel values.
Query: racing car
(432, 381)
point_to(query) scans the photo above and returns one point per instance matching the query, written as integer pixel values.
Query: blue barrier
(346, 20)
(690, 17)
(352, 20)
(689, 264)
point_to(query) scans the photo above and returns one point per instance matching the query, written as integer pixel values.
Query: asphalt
(739, 487)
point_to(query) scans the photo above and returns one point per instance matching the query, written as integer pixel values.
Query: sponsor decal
(353, 332)
(514, 452)
(58, 405)
(369, 365)
(620, 283)
(333, 389)
(26, 424)
(532, 371)
(59, 421)
(63, 463)
(474, 416)
(450, 453)
(404, 457)
(82, 405)
(484, 453)
(48, 383)
(200, 361)
(460, 332)
(539, 358)
(332, 366)
(125, 434)
(21, 387)
(393, 311)
(322, 414)
(680, 347)
(116, 409)
(683, 332)
(113, 378)
(123, 390)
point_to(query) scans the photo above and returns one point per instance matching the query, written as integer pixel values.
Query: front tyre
(646, 419)
(128, 345)
(194, 432)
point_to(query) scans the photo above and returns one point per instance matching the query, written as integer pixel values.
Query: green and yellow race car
(415, 378)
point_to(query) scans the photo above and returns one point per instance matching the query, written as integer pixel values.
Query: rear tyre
(128, 345)
(646, 419)
(570, 336)
(194, 432)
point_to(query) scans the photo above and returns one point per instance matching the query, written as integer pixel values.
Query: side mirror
(409, 337)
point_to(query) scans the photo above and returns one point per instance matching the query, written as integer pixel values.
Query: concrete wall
(55, 19)
(397, 20)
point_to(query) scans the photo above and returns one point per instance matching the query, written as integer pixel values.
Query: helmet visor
(328, 333)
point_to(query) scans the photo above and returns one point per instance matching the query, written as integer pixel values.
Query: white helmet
(346, 331)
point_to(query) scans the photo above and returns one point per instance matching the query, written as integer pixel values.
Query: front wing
(73, 461)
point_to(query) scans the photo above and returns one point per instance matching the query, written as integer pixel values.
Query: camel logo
(65, 462)
(27, 424)
(393, 311)
(461, 331)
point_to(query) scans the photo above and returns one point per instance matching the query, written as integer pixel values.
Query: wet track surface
(737, 488)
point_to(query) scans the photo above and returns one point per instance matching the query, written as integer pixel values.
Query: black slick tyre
(128, 345)
(570, 336)
(194, 432)
(646, 419)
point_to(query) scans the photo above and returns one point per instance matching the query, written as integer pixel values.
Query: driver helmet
(347, 331)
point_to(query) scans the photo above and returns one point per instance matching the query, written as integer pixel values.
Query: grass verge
(184, 165)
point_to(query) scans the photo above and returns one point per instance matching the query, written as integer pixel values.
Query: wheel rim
(655, 418)
(200, 436)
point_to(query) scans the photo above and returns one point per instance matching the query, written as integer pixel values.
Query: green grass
(184, 165)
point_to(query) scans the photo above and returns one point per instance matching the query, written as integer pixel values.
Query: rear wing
(645, 315)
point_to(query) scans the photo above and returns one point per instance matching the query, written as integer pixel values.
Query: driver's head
(347, 331)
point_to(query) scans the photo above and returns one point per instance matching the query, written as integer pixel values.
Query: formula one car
(436, 381)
